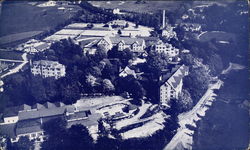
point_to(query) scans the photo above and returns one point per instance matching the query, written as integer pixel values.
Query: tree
(184, 101)
(95, 71)
(127, 25)
(70, 93)
(78, 138)
(197, 81)
(137, 90)
(108, 86)
(23, 144)
(59, 138)
(91, 80)
(90, 25)
(156, 63)
(54, 126)
(119, 32)
(101, 53)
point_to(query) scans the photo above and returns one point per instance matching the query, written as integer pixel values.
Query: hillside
(24, 16)
(147, 6)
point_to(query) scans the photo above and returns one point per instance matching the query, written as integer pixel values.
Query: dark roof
(177, 72)
(92, 120)
(8, 130)
(24, 107)
(77, 115)
(59, 104)
(84, 43)
(179, 76)
(126, 40)
(45, 112)
(49, 105)
(38, 106)
(155, 39)
(42, 46)
(28, 126)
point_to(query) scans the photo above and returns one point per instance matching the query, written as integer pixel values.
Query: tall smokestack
(163, 19)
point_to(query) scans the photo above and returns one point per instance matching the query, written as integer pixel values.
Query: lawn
(218, 35)
(149, 6)
(21, 16)
(13, 55)
(17, 36)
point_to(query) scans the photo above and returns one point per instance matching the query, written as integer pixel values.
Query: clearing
(22, 17)
(18, 36)
(217, 35)
(11, 55)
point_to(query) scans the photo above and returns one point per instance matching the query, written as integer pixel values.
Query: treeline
(101, 15)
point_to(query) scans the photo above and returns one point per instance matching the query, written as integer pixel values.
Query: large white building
(171, 83)
(46, 68)
(136, 44)
(28, 120)
(161, 47)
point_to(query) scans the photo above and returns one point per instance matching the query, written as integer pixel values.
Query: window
(33, 135)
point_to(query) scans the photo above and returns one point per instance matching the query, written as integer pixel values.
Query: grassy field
(149, 6)
(17, 36)
(21, 16)
(13, 55)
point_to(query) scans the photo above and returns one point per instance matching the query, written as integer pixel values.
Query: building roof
(174, 74)
(48, 63)
(28, 126)
(24, 107)
(59, 104)
(8, 130)
(127, 71)
(77, 115)
(49, 105)
(45, 112)
(42, 47)
(127, 40)
(118, 22)
(38, 106)
(90, 121)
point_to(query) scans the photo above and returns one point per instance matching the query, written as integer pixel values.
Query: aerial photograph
(124, 75)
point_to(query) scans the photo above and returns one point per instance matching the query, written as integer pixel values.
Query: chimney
(41, 121)
(30, 62)
(163, 19)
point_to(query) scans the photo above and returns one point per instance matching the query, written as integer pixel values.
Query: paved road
(10, 60)
(183, 138)
(16, 69)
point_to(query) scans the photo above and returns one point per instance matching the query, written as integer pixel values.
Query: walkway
(19, 67)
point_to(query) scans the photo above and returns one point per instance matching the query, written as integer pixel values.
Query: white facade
(172, 87)
(39, 135)
(10, 120)
(123, 43)
(161, 47)
(48, 69)
(116, 11)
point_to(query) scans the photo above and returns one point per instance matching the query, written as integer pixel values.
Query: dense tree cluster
(23, 144)
(61, 138)
(156, 62)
